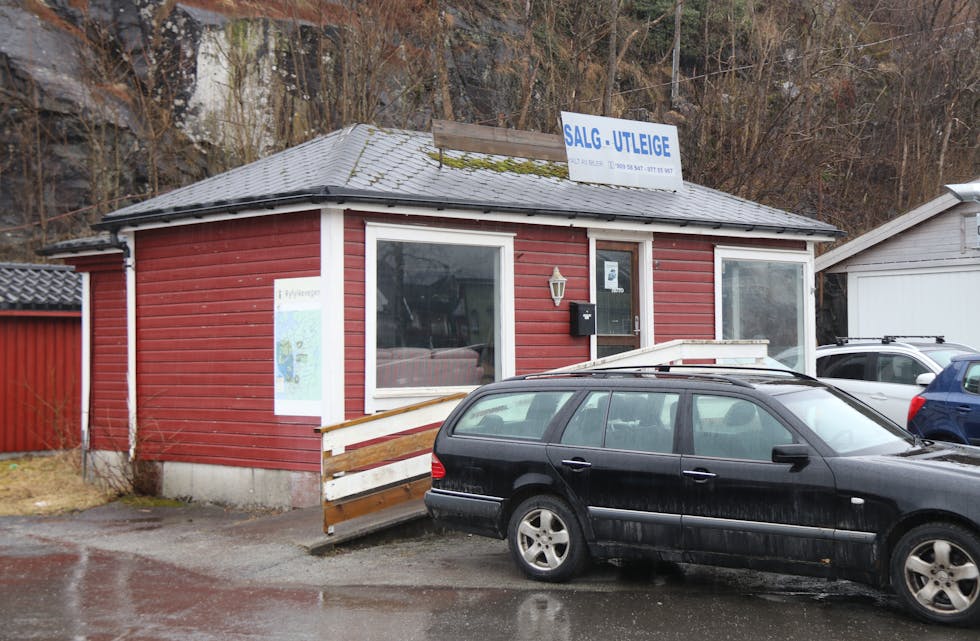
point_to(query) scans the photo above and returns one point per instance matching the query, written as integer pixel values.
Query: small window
(523, 415)
(641, 421)
(637, 421)
(971, 381)
(727, 427)
(899, 368)
(851, 366)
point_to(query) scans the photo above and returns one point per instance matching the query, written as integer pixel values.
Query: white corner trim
(129, 265)
(86, 373)
(333, 344)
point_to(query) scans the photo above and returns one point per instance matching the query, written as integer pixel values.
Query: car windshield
(846, 426)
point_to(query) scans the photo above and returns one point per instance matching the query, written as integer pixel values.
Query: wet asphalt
(206, 573)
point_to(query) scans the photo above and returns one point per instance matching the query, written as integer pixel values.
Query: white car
(886, 372)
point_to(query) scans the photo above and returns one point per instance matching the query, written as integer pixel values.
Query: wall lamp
(557, 285)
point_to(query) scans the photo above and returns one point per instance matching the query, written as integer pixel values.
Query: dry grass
(38, 485)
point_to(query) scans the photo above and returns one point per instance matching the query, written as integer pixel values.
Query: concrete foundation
(238, 486)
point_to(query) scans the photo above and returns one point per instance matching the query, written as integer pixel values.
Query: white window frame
(377, 400)
(804, 258)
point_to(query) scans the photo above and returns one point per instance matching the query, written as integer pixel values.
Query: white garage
(918, 274)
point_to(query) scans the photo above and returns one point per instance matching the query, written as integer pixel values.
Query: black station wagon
(736, 467)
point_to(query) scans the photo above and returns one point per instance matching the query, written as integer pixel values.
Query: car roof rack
(888, 338)
(705, 372)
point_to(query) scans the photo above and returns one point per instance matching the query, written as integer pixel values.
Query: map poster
(297, 347)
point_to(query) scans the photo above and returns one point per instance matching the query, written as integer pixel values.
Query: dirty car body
(734, 467)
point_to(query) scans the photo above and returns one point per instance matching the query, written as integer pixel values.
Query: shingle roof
(364, 163)
(39, 287)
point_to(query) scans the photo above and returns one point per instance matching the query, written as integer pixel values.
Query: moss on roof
(513, 165)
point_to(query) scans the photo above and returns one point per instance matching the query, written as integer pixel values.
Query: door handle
(576, 464)
(879, 396)
(699, 475)
(636, 324)
(963, 409)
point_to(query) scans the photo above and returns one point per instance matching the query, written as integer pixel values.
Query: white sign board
(622, 152)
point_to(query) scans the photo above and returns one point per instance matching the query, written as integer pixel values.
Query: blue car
(949, 408)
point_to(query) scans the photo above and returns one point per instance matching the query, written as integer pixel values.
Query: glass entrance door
(617, 298)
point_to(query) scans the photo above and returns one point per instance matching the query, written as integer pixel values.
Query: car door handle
(964, 409)
(699, 475)
(879, 397)
(576, 464)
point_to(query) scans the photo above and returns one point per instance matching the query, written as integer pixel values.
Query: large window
(766, 295)
(442, 311)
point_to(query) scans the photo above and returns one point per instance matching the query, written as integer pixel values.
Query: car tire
(546, 540)
(935, 570)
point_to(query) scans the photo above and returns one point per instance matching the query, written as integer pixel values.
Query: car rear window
(944, 356)
(971, 381)
(513, 415)
(851, 366)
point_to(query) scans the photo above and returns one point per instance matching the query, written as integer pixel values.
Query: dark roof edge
(40, 307)
(341, 195)
(38, 267)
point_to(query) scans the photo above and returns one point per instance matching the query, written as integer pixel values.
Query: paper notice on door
(611, 269)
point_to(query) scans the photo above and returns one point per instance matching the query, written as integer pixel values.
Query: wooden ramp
(375, 462)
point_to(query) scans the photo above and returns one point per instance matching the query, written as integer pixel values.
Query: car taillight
(438, 469)
(915, 406)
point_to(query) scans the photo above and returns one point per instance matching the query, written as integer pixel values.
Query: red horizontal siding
(354, 238)
(108, 411)
(205, 341)
(684, 282)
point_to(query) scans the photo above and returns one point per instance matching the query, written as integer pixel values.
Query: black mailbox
(582, 319)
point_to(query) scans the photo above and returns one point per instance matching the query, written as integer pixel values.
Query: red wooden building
(40, 357)
(367, 269)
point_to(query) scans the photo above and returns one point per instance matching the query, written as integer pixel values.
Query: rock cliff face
(108, 100)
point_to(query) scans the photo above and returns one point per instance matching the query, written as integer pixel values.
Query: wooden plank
(337, 511)
(498, 141)
(383, 476)
(391, 414)
(395, 448)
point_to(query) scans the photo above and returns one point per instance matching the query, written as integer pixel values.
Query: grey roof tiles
(364, 163)
(25, 286)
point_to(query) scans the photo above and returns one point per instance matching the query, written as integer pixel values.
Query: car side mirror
(794, 453)
(925, 378)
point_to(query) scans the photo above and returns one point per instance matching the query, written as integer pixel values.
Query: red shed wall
(40, 364)
(684, 282)
(108, 421)
(205, 341)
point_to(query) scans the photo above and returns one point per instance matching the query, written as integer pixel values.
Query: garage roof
(368, 164)
(24, 286)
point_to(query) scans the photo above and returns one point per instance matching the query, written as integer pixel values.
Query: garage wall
(916, 301)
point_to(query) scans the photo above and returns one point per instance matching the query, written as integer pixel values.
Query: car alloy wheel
(545, 539)
(938, 574)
